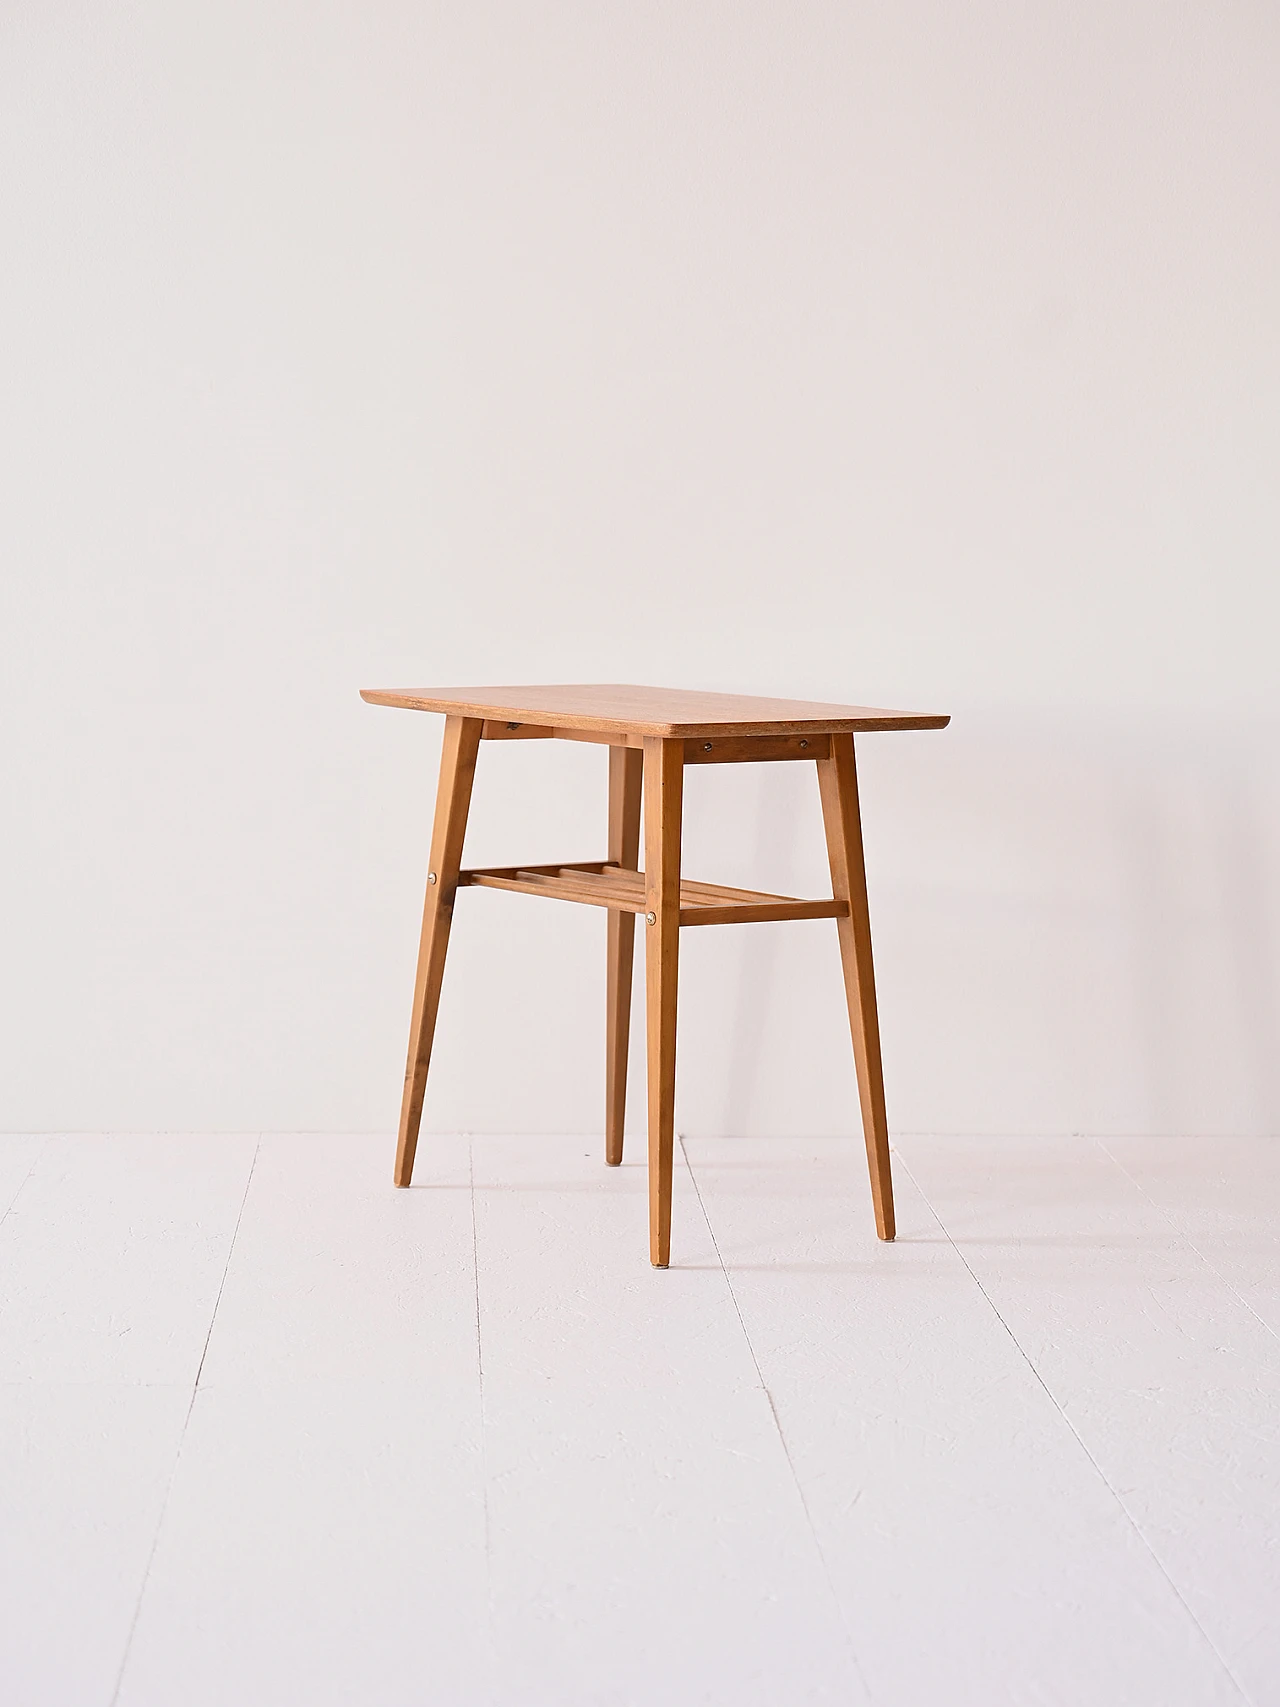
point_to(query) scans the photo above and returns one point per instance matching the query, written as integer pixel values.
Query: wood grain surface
(671, 713)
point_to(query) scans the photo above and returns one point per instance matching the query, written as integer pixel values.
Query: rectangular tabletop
(674, 713)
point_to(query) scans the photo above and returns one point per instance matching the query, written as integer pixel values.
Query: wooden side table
(652, 734)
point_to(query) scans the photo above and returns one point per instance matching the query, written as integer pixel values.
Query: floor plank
(17, 1158)
(648, 1541)
(465, 1446)
(1171, 1383)
(978, 1555)
(1223, 1195)
(83, 1474)
(112, 1255)
(338, 1276)
(324, 1541)
(323, 1544)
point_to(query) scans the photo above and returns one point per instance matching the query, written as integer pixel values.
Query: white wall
(918, 354)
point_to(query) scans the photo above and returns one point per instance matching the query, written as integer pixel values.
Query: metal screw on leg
(431, 877)
(651, 918)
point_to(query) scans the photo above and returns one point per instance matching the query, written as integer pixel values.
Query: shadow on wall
(1248, 849)
(1076, 928)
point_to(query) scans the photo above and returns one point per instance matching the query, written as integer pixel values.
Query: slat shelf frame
(599, 883)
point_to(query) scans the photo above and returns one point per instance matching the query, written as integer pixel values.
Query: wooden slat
(598, 884)
(719, 895)
(475, 872)
(693, 895)
(754, 749)
(629, 882)
(557, 888)
(692, 892)
(597, 888)
(770, 912)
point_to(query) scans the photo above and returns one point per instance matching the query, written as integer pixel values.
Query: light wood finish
(652, 734)
(626, 775)
(546, 732)
(496, 730)
(595, 887)
(669, 712)
(753, 749)
(453, 798)
(623, 891)
(838, 786)
(693, 893)
(698, 750)
(766, 911)
(663, 798)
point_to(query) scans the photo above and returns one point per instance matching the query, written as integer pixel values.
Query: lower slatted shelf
(599, 884)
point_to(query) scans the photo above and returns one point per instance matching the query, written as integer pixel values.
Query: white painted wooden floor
(272, 1432)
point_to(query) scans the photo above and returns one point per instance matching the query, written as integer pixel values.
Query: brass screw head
(651, 918)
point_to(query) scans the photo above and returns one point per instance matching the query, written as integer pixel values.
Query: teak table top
(673, 713)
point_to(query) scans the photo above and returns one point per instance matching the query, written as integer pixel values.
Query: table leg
(663, 789)
(453, 798)
(626, 770)
(838, 785)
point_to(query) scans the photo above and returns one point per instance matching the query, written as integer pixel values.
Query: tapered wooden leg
(626, 771)
(838, 785)
(453, 797)
(663, 788)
